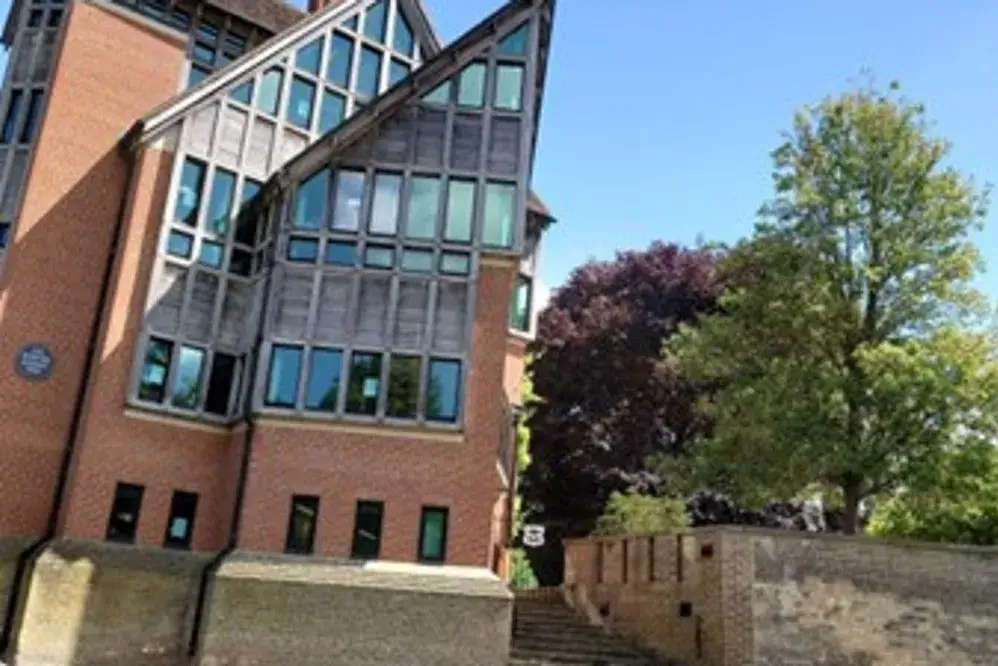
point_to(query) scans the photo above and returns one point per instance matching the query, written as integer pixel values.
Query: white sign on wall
(533, 536)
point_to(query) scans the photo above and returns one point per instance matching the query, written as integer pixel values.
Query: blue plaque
(34, 362)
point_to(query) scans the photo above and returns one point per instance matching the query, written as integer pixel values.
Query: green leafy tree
(522, 575)
(632, 513)
(842, 364)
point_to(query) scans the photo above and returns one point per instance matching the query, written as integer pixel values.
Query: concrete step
(587, 658)
(620, 650)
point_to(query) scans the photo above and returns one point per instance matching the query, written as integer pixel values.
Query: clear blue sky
(660, 114)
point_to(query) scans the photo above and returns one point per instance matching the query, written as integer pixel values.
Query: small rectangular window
(223, 374)
(364, 384)
(304, 250)
(338, 69)
(443, 391)
(204, 54)
(397, 71)
(471, 86)
(519, 308)
(440, 95)
(179, 245)
(403, 386)
(334, 110)
(189, 193)
(33, 115)
(424, 202)
(282, 380)
(212, 254)
(35, 18)
(55, 16)
(301, 103)
(302, 525)
(402, 38)
(515, 43)
(269, 97)
(243, 93)
(123, 523)
(417, 261)
(460, 211)
(385, 208)
(310, 201)
(155, 368)
(433, 535)
(180, 526)
(369, 74)
(375, 21)
(377, 256)
(10, 120)
(223, 190)
(500, 210)
(323, 390)
(309, 56)
(455, 264)
(187, 382)
(509, 87)
(341, 254)
(367, 531)
(349, 200)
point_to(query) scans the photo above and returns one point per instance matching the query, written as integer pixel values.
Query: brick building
(265, 275)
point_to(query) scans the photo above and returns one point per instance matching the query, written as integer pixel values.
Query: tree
(606, 399)
(843, 365)
(630, 513)
(522, 574)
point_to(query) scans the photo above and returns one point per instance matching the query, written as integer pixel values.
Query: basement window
(123, 522)
(367, 530)
(433, 535)
(180, 526)
(301, 525)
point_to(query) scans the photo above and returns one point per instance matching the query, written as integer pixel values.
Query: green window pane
(309, 57)
(500, 206)
(424, 201)
(443, 391)
(301, 103)
(269, 97)
(403, 387)
(211, 254)
(310, 202)
(282, 380)
(341, 54)
(460, 211)
(433, 535)
(375, 21)
(397, 71)
(376, 256)
(455, 264)
(417, 261)
(440, 95)
(189, 194)
(471, 86)
(341, 254)
(155, 367)
(323, 386)
(370, 72)
(509, 87)
(515, 43)
(364, 384)
(243, 93)
(519, 308)
(385, 207)
(333, 111)
(187, 383)
(223, 189)
(402, 40)
(349, 199)
(304, 250)
(179, 245)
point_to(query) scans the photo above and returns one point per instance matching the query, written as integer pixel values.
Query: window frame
(188, 540)
(139, 491)
(309, 550)
(424, 512)
(361, 504)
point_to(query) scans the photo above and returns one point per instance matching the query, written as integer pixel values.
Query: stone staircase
(547, 633)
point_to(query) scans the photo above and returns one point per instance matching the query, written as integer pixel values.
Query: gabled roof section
(432, 73)
(272, 15)
(165, 114)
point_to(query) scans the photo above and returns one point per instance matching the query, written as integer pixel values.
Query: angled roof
(272, 15)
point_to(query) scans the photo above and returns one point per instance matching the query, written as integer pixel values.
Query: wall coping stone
(123, 556)
(11, 548)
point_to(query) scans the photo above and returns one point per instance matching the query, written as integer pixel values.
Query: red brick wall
(108, 73)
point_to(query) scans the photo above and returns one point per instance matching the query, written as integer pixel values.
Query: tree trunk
(851, 498)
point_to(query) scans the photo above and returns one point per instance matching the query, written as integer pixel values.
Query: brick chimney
(316, 5)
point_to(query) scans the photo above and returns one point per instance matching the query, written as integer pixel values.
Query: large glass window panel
(310, 201)
(367, 531)
(220, 383)
(385, 207)
(424, 202)
(323, 388)
(282, 380)
(301, 103)
(269, 97)
(397, 71)
(349, 200)
(460, 211)
(369, 75)
(187, 383)
(440, 95)
(223, 188)
(509, 87)
(340, 56)
(189, 194)
(519, 308)
(433, 535)
(443, 391)
(402, 39)
(364, 384)
(403, 387)
(500, 211)
(155, 367)
(515, 43)
(375, 20)
(334, 108)
(471, 86)
(309, 57)
(10, 120)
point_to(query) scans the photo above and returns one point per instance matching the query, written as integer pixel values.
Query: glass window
(509, 87)
(301, 525)
(211, 254)
(323, 387)
(269, 97)
(180, 19)
(207, 32)
(243, 93)
(204, 54)
(35, 18)
(367, 531)
(223, 190)
(338, 69)
(424, 201)
(439, 95)
(180, 525)
(455, 264)
(246, 223)
(376, 256)
(460, 210)
(385, 208)
(471, 87)
(443, 390)
(375, 20)
(123, 522)
(54, 17)
(417, 261)
(519, 308)
(341, 254)
(10, 120)
(4, 234)
(349, 199)
(155, 367)
(500, 206)
(187, 383)
(403, 387)
(309, 57)
(189, 194)
(402, 39)
(241, 262)
(32, 116)
(197, 75)
(352, 22)
(334, 108)
(397, 71)
(282, 383)
(515, 43)
(301, 103)
(223, 374)
(370, 72)
(433, 535)
(179, 244)
(310, 201)
(364, 385)
(303, 250)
